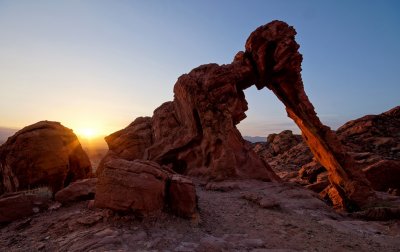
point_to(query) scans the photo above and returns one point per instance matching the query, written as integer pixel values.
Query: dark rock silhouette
(43, 154)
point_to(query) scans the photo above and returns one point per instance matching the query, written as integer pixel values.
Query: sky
(100, 64)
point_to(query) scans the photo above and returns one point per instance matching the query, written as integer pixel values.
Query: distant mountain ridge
(255, 139)
(6, 133)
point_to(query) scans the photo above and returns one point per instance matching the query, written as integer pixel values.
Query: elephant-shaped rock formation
(196, 134)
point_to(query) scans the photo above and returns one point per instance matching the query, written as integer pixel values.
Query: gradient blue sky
(100, 64)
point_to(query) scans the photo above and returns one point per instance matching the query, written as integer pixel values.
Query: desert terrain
(184, 179)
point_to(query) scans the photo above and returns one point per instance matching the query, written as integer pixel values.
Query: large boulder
(131, 186)
(17, 205)
(84, 189)
(144, 188)
(43, 154)
(182, 198)
(129, 143)
(384, 175)
(282, 142)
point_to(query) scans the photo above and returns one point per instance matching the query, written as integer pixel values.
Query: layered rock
(372, 140)
(84, 189)
(182, 198)
(137, 186)
(17, 205)
(373, 135)
(284, 152)
(43, 154)
(274, 53)
(196, 133)
(384, 175)
(144, 188)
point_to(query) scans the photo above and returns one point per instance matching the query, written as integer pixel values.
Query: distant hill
(6, 133)
(255, 139)
(93, 143)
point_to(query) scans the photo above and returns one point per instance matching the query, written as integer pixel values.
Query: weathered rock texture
(22, 204)
(43, 154)
(137, 186)
(373, 136)
(84, 189)
(274, 52)
(196, 133)
(384, 175)
(284, 152)
(372, 140)
(181, 196)
(144, 188)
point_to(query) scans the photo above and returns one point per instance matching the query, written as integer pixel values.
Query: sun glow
(87, 133)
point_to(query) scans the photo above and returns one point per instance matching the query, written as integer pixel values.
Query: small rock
(54, 206)
(224, 186)
(252, 243)
(211, 243)
(90, 220)
(90, 204)
(23, 224)
(40, 246)
(79, 190)
(186, 247)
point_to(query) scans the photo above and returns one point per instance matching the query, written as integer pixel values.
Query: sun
(87, 133)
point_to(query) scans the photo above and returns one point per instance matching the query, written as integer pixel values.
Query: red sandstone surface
(42, 154)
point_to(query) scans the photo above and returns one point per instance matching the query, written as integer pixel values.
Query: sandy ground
(233, 216)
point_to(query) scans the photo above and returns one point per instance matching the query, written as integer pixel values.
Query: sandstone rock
(144, 188)
(284, 152)
(84, 189)
(223, 186)
(310, 171)
(131, 186)
(182, 198)
(373, 142)
(274, 53)
(196, 133)
(384, 175)
(377, 134)
(45, 153)
(282, 142)
(129, 143)
(318, 186)
(17, 205)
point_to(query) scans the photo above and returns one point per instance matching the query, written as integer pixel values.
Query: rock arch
(196, 133)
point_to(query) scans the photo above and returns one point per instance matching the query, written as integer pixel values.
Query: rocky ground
(233, 216)
(372, 140)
